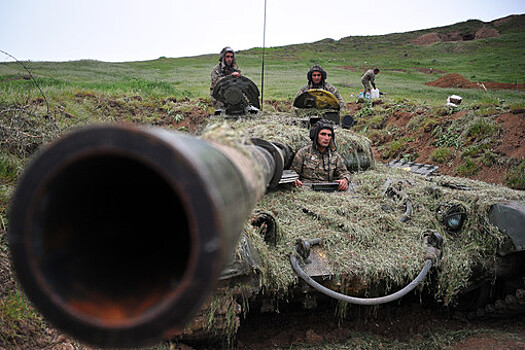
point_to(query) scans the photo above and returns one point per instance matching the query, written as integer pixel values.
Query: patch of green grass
(450, 138)
(473, 151)
(515, 177)
(10, 167)
(442, 155)
(15, 313)
(393, 148)
(482, 128)
(468, 167)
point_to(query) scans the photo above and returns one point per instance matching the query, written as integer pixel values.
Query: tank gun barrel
(118, 234)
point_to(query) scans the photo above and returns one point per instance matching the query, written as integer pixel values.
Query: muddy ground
(401, 326)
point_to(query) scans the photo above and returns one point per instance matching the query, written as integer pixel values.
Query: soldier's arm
(297, 162)
(302, 90)
(342, 174)
(215, 77)
(339, 98)
(341, 171)
(297, 166)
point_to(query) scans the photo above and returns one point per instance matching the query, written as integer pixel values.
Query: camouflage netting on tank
(288, 130)
(366, 243)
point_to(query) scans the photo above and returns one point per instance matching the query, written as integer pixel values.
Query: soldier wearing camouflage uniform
(226, 66)
(369, 77)
(317, 80)
(320, 162)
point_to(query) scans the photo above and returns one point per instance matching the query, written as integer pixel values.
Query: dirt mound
(503, 20)
(432, 38)
(486, 32)
(513, 126)
(427, 39)
(455, 80)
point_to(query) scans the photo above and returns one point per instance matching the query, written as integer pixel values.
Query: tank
(123, 235)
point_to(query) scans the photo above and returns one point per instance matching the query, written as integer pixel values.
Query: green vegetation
(401, 62)
(442, 155)
(468, 167)
(516, 176)
(16, 312)
(394, 147)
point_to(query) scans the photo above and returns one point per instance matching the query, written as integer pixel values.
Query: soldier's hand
(236, 74)
(343, 184)
(298, 183)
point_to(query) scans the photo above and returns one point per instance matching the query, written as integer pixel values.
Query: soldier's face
(228, 58)
(324, 137)
(316, 77)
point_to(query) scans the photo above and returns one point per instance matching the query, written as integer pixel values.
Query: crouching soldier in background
(369, 78)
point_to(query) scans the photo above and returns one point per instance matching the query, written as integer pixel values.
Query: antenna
(262, 64)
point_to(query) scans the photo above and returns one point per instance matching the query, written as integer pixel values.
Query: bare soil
(455, 80)
(409, 325)
(432, 38)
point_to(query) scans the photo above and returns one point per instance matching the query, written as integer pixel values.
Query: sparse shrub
(469, 167)
(409, 157)
(366, 110)
(515, 177)
(489, 158)
(429, 124)
(442, 155)
(376, 122)
(392, 148)
(481, 128)
(415, 122)
(449, 139)
(178, 118)
(471, 151)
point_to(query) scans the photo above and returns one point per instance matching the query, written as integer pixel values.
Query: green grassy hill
(498, 58)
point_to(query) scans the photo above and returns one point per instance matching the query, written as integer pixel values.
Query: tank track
(509, 306)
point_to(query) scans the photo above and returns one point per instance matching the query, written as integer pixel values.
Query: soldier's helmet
(320, 125)
(223, 52)
(316, 68)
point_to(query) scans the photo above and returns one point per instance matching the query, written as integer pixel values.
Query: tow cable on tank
(431, 238)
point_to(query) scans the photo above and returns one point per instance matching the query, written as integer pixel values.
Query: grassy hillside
(493, 59)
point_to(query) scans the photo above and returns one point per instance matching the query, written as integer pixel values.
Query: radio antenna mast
(262, 64)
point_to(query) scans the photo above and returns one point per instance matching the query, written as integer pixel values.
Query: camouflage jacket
(328, 87)
(220, 71)
(369, 76)
(313, 166)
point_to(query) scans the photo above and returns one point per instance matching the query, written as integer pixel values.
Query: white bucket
(374, 93)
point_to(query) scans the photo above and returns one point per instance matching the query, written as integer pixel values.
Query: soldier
(369, 77)
(320, 162)
(226, 66)
(317, 80)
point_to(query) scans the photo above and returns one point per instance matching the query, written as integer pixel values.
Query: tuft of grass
(393, 148)
(468, 167)
(442, 155)
(515, 177)
(15, 313)
(450, 138)
(482, 128)
(10, 167)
